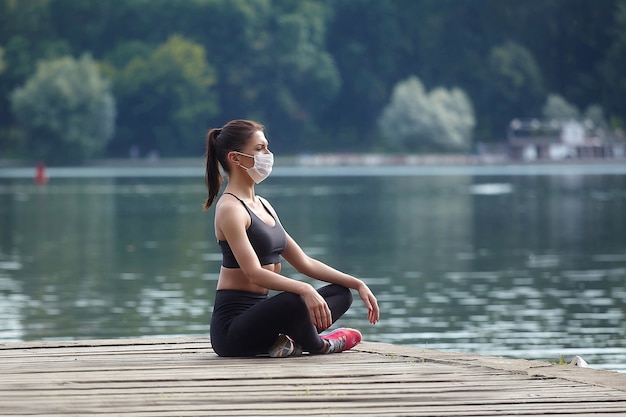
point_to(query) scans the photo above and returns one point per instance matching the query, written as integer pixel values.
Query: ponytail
(212, 176)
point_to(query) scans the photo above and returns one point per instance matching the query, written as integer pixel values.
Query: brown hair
(233, 136)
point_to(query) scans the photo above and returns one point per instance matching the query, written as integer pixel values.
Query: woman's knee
(336, 291)
(338, 297)
(347, 295)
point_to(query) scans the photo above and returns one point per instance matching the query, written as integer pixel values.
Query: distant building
(537, 139)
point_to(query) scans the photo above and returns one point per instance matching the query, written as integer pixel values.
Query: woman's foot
(284, 347)
(341, 339)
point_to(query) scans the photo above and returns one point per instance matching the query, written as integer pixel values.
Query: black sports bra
(268, 241)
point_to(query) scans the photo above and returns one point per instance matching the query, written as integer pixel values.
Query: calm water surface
(501, 261)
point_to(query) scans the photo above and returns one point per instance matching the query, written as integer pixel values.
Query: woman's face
(257, 144)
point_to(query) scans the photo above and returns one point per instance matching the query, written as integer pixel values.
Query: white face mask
(262, 166)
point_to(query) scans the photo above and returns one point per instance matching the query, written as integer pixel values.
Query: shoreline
(328, 165)
(333, 160)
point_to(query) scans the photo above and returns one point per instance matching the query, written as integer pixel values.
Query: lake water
(519, 261)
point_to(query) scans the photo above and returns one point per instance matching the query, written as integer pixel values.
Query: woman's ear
(233, 158)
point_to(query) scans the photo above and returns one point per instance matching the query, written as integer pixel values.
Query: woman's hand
(373, 313)
(319, 311)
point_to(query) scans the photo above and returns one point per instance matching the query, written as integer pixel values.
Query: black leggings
(247, 323)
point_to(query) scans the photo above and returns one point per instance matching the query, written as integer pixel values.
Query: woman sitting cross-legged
(245, 320)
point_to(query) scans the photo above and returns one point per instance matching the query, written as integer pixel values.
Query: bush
(415, 120)
(65, 110)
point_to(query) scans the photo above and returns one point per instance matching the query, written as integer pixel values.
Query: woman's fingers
(319, 311)
(373, 313)
(373, 316)
(325, 316)
(321, 319)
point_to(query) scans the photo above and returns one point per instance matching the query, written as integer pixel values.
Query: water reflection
(516, 265)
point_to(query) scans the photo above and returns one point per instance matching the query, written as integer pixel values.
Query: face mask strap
(244, 154)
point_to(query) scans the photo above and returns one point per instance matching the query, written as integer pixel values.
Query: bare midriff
(236, 279)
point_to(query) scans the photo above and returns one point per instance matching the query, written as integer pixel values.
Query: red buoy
(40, 175)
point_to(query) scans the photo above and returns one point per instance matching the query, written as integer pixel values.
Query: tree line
(83, 78)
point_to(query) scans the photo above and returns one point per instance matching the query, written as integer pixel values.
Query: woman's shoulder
(228, 205)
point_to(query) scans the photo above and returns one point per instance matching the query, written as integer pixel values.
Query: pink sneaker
(342, 339)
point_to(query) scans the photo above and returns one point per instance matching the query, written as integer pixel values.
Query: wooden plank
(182, 377)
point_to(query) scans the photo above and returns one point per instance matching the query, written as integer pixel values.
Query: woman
(245, 321)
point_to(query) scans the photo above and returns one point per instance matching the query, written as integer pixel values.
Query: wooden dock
(183, 377)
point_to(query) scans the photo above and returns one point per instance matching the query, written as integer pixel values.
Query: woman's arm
(320, 271)
(313, 268)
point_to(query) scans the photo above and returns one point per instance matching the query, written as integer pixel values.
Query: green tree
(2, 63)
(611, 70)
(556, 107)
(318, 73)
(26, 36)
(304, 76)
(273, 65)
(415, 120)
(20, 58)
(373, 46)
(125, 52)
(512, 86)
(559, 109)
(165, 100)
(594, 114)
(66, 111)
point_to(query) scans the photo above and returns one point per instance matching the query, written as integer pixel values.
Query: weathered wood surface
(183, 377)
